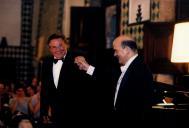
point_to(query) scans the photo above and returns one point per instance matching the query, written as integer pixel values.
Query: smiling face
(58, 48)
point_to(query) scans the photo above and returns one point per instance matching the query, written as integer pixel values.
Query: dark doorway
(88, 31)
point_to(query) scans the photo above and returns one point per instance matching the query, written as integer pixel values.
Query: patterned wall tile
(136, 31)
(60, 15)
(155, 5)
(23, 54)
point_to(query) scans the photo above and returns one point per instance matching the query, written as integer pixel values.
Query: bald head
(123, 38)
(125, 47)
(124, 41)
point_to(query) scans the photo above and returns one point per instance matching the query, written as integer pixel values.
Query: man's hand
(81, 63)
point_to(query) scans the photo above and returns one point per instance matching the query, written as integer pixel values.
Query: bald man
(133, 93)
(132, 99)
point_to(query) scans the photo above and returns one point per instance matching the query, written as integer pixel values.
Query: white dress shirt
(123, 70)
(56, 71)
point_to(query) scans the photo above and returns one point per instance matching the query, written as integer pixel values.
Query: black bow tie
(56, 60)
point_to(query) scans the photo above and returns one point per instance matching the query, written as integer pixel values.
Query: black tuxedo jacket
(68, 100)
(135, 93)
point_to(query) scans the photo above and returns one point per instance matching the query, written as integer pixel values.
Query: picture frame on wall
(139, 11)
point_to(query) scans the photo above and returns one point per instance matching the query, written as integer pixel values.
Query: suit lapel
(128, 74)
(61, 75)
(63, 71)
(49, 71)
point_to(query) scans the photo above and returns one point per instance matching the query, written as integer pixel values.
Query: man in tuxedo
(132, 97)
(63, 89)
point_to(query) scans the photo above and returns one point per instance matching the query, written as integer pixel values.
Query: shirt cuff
(90, 70)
